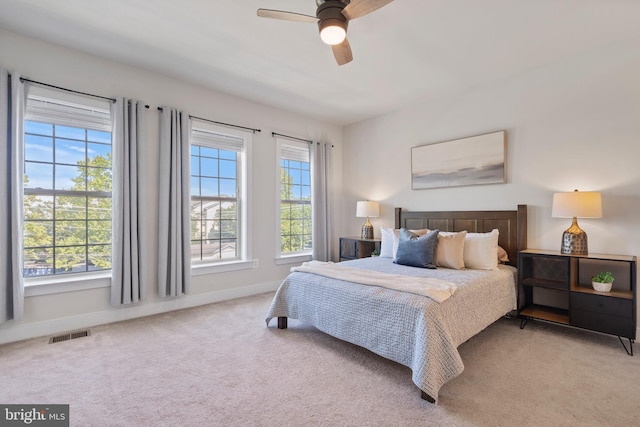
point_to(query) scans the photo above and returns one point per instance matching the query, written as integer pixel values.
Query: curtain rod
(67, 90)
(292, 137)
(254, 130)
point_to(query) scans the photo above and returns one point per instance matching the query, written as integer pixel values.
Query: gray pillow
(417, 251)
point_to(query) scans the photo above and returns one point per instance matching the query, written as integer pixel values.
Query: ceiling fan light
(333, 34)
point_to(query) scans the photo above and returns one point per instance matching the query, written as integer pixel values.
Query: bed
(411, 329)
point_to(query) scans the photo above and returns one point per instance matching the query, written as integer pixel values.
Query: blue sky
(71, 147)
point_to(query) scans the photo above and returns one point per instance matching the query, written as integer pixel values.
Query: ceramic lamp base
(574, 240)
(367, 231)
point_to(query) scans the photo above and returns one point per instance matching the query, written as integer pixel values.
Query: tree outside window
(67, 199)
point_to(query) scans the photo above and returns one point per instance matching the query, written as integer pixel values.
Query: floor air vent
(69, 336)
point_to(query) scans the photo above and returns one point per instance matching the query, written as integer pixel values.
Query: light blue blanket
(410, 329)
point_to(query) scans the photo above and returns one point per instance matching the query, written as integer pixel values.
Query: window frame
(54, 108)
(243, 175)
(296, 256)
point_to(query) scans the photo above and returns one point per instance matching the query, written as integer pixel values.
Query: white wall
(52, 64)
(570, 124)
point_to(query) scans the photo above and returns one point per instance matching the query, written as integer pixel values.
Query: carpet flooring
(219, 365)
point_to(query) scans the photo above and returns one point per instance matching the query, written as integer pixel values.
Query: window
(67, 185)
(217, 195)
(295, 198)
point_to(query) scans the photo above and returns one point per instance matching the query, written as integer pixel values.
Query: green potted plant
(602, 281)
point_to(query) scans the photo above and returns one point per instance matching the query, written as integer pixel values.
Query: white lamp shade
(367, 209)
(578, 204)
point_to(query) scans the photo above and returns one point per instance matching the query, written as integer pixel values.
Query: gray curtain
(13, 95)
(128, 124)
(320, 170)
(174, 221)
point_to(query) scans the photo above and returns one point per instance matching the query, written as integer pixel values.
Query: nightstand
(356, 247)
(557, 287)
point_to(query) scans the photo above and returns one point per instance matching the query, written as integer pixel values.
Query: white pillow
(481, 250)
(450, 250)
(390, 238)
(386, 243)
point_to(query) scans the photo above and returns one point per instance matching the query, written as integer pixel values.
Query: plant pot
(601, 287)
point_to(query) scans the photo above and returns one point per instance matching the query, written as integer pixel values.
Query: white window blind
(223, 142)
(295, 153)
(48, 110)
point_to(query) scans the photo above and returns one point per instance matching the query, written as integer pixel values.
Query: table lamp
(367, 209)
(576, 204)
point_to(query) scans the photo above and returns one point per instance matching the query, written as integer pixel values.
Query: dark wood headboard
(511, 224)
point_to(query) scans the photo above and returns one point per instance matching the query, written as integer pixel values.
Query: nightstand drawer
(609, 324)
(602, 304)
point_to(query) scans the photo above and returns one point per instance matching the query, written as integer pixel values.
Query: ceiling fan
(333, 17)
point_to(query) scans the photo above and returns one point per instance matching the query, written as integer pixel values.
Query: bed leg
(282, 323)
(426, 397)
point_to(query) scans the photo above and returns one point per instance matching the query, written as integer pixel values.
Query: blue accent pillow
(417, 251)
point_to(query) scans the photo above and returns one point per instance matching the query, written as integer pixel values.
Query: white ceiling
(408, 51)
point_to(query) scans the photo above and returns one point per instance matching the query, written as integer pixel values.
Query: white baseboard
(18, 332)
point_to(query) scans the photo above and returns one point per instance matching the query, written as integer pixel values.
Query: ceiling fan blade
(286, 16)
(342, 52)
(358, 8)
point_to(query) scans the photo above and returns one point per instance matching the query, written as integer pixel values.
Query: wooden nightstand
(355, 247)
(557, 287)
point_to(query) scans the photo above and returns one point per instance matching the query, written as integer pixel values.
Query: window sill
(202, 269)
(293, 259)
(69, 283)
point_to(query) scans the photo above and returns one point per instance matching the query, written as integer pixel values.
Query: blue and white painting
(468, 161)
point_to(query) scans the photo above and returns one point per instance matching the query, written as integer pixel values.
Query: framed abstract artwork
(468, 161)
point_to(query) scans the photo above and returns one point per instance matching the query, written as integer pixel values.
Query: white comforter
(404, 327)
(436, 289)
